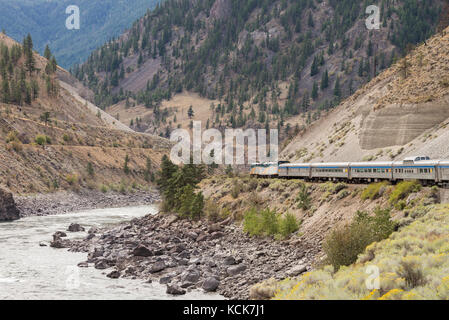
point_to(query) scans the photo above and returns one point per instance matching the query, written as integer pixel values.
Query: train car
(330, 171)
(413, 168)
(443, 171)
(423, 170)
(371, 171)
(295, 170)
(266, 170)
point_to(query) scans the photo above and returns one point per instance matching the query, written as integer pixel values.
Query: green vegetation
(304, 200)
(374, 190)
(102, 21)
(239, 61)
(413, 264)
(344, 244)
(42, 140)
(17, 71)
(403, 189)
(178, 185)
(269, 223)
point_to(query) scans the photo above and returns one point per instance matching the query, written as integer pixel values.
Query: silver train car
(414, 168)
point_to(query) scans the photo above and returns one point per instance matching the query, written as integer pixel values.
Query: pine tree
(190, 112)
(47, 52)
(315, 91)
(337, 89)
(325, 80)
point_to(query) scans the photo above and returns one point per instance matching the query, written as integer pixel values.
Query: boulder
(191, 276)
(210, 284)
(114, 274)
(296, 270)
(75, 227)
(8, 209)
(142, 251)
(175, 290)
(229, 261)
(60, 234)
(234, 270)
(158, 267)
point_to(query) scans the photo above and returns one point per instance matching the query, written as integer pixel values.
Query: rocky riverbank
(187, 255)
(66, 201)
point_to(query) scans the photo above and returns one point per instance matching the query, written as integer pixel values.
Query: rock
(75, 227)
(83, 264)
(42, 244)
(175, 290)
(101, 264)
(158, 266)
(165, 280)
(216, 235)
(296, 270)
(210, 284)
(187, 284)
(114, 274)
(192, 235)
(234, 270)
(201, 237)
(59, 234)
(58, 243)
(142, 251)
(93, 230)
(8, 209)
(191, 276)
(215, 227)
(229, 261)
(158, 252)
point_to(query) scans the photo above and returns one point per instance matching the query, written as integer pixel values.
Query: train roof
(372, 164)
(289, 165)
(417, 163)
(330, 164)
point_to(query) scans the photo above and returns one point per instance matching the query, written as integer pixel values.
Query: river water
(29, 271)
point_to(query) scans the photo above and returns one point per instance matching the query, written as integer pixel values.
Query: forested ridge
(241, 52)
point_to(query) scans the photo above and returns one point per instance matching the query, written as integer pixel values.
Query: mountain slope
(45, 20)
(404, 111)
(57, 140)
(264, 61)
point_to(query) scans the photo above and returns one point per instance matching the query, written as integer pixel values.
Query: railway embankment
(222, 253)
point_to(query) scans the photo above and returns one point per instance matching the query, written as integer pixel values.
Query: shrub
(212, 211)
(288, 224)
(90, 169)
(344, 244)
(72, 179)
(104, 188)
(236, 189)
(269, 223)
(304, 201)
(411, 271)
(374, 191)
(42, 140)
(126, 166)
(403, 189)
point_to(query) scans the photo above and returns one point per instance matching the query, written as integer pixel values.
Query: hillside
(45, 19)
(263, 61)
(413, 264)
(52, 139)
(401, 112)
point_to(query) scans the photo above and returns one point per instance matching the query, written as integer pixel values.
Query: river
(29, 271)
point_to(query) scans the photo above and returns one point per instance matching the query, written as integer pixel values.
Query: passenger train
(423, 169)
